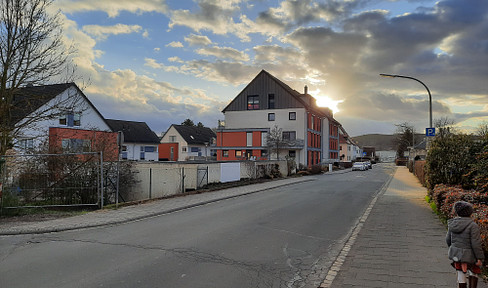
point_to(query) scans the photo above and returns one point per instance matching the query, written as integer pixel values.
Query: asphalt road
(284, 237)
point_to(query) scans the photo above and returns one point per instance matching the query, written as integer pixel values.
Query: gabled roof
(134, 132)
(195, 135)
(29, 99)
(302, 98)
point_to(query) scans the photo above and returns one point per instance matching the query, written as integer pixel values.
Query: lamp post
(428, 91)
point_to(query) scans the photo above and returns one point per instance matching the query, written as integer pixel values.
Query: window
(225, 153)
(62, 120)
(289, 135)
(149, 148)
(292, 116)
(124, 155)
(70, 119)
(271, 101)
(76, 119)
(264, 138)
(253, 102)
(172, 138)
(292, 153)
(249, 139)
(142, 155)
(271, 116)
(238, 153)
(76, 145)
(26, 144)
(183, 149)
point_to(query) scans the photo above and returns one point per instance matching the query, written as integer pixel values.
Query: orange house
(68, 140)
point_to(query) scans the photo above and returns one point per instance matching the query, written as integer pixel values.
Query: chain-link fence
(54, 180)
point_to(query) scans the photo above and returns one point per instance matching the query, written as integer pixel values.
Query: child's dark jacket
(464, 241)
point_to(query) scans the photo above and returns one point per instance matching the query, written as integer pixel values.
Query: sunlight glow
(326, 101)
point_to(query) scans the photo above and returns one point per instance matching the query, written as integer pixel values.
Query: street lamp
(428, 91)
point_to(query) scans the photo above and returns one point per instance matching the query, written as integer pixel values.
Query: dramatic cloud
(337, 48)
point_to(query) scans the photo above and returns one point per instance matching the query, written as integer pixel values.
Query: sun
(325, 101)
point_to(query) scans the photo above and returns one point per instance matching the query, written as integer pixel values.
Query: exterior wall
(314, 139)
(165, 154)
(326, 140)
(333, 142)
(262, 86)
(251, 120)
(132, 151)
(89, 120)
(162, 179)
(95, 141)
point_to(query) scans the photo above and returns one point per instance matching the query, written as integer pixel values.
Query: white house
(182, 143)
(139, 142)
(40, 108)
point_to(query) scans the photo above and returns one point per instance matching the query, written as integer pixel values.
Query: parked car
(369, 164)
(359, 166)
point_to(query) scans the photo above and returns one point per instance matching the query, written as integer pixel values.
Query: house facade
(183, 143)
(139, 142)
(310, 134)
(349, 150)
(58, 111)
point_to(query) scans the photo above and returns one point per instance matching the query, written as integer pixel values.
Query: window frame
(271, 101)
(294, 116)
(271, 116)
(289, 133)
(252, 102)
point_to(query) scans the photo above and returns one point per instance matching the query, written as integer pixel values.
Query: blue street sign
(364, 153)
(430, 132)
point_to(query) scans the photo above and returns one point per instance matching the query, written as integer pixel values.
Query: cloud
(102, 32)
(152, 63)
(112, 7)
(198, 40)
(175, 44)
(213, 15)
(224, 53)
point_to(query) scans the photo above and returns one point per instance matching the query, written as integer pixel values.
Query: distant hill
(380, 141)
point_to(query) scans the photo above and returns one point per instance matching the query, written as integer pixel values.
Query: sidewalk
(399, 243)
(136, 212)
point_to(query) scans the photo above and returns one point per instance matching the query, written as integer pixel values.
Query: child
(464, 241)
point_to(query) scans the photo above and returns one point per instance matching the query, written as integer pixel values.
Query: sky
(163, 61)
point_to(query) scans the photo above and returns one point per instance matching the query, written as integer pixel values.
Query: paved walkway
(398, 243)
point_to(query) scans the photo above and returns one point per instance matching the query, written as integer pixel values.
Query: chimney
(305, 90)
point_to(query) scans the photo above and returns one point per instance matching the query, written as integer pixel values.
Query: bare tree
(444, 126)
(275, 141)
(31, 53)
(482, 130)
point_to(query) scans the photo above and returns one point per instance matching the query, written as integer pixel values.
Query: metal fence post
(101, 180)
(182, 179)
(150, 182)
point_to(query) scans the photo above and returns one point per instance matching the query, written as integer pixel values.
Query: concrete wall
(162, 179)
